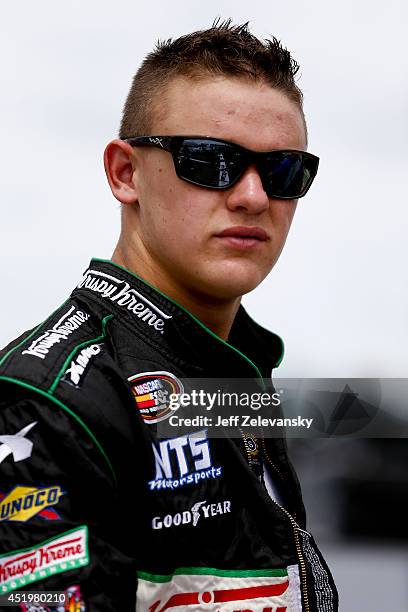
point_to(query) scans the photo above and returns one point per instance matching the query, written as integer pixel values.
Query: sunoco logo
(192, 517)
(23, 503)
(123, 295)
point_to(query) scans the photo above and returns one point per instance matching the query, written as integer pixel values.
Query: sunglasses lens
(208, 163)
(218, 165)
(287, 174)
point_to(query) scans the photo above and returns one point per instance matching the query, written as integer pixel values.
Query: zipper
(250, 452)
(293, 523)
(295, 528)
(273, 465)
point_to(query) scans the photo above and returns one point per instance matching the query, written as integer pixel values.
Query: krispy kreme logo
(63, 553)
(121, 293)
(62, 329)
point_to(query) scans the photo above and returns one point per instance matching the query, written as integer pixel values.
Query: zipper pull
(254, 454)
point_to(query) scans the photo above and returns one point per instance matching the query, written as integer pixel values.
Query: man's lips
(244, 231)
(243, 236)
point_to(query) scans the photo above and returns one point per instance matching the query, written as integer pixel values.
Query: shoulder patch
(67, 324)
(44, 355)
(34, 367)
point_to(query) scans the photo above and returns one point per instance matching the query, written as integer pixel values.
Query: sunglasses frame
(172, 144)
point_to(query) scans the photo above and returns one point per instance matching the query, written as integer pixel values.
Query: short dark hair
(224, 49)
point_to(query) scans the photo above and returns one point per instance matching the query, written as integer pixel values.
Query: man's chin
(232, 284)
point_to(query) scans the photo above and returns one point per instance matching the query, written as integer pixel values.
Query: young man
(209, 167)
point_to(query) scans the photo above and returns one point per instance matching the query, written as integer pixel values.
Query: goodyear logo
(22, 503)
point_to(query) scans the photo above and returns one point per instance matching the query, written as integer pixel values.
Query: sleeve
(60, 527)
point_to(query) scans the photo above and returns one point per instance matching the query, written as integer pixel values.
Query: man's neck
(216, 314)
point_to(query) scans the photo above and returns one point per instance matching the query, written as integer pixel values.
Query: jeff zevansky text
(209, 401)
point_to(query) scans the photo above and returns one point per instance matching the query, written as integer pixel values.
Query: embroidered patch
(182, 461)
(79, 365)
(199, 510)
(122, 294)
(23, 503)
(152, 391)
(211, 590)
(67, 324)
(67, 551)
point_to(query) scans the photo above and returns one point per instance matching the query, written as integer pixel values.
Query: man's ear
(119, 171)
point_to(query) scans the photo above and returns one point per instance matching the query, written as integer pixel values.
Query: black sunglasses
(218, 164)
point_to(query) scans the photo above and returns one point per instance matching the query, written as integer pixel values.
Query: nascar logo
(152, 391)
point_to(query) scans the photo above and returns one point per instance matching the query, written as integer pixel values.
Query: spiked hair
(222, 50)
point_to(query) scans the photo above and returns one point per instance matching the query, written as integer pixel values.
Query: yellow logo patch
(25, 502)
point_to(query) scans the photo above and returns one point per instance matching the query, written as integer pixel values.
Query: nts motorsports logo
(182, 461)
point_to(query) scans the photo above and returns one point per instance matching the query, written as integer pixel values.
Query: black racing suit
(92, 499)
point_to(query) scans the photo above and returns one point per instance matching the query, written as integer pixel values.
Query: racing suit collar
(250, 350)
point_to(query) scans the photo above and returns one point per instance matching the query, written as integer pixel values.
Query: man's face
(179, 223)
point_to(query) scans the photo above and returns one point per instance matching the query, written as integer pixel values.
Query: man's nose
(248, 193)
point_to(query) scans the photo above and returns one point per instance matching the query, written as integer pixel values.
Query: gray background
(338, 296)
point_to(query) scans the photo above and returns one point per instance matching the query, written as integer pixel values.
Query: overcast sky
(338, 296)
